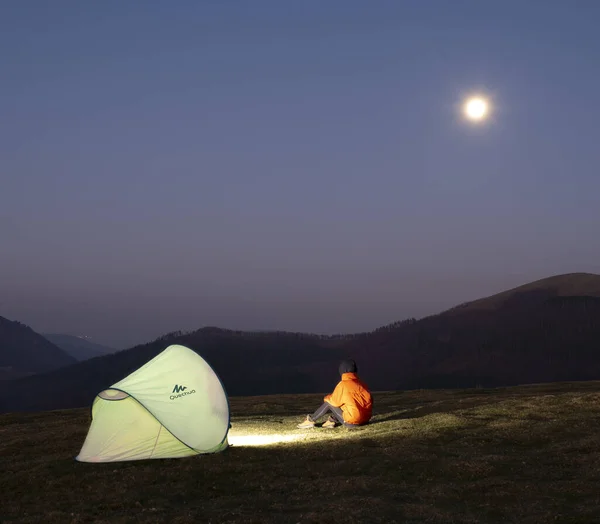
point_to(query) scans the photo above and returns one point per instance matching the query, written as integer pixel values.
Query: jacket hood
(348, 366)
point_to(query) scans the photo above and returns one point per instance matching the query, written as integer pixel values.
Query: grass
(527, 455)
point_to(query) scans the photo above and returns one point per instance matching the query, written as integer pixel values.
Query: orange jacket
(353, 397)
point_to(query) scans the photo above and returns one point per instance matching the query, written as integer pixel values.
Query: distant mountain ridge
(24, 352)
(78, 347)
(248, 364)
(545, 331)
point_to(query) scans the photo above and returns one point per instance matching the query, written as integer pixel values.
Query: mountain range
(78, 347)
(545, 331)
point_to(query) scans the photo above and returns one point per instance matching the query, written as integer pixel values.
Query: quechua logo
(181, 391)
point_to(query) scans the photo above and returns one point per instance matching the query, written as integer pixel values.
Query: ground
(526, 455)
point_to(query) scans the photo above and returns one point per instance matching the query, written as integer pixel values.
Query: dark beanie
(348, 366)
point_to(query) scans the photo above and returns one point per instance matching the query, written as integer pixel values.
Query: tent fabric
(173, 406)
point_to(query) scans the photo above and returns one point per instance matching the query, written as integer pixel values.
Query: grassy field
(526, 455)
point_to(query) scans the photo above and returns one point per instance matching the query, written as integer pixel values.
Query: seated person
(350, 403)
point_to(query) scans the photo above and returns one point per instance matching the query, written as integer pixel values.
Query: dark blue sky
(289, 165)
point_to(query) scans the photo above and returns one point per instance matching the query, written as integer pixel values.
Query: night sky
(289, 165)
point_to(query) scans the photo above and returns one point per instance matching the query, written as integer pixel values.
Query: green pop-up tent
(173, 406)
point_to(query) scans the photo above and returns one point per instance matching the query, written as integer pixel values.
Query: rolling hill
(78, 347)
(544, 331)
(569, 285)
(25, 352)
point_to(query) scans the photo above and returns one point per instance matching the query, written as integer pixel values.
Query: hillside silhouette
(248, 363)
(545, 331)
(25, 352)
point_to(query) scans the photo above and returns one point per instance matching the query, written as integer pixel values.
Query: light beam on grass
(263, 440)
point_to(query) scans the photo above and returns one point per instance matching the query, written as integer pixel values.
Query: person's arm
(335, 399)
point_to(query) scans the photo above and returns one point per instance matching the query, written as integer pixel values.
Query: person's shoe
(307, 424)
(329, 423)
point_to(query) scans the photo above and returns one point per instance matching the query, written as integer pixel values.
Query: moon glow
(476, 108)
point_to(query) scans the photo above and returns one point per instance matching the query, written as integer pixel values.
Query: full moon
(476, 109)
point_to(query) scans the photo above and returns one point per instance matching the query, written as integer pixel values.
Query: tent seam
(158, 435)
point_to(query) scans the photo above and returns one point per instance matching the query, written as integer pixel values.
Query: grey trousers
(327, 407)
